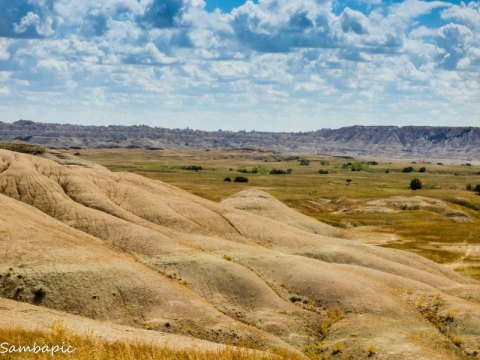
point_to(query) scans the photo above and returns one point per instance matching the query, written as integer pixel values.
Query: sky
(268, 65)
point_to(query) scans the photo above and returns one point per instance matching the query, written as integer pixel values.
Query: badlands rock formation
(81, 242)
(408, 142)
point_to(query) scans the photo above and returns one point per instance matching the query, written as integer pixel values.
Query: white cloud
(4, 53)
(276, 59)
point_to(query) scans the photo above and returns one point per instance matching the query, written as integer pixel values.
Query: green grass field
(329, 197)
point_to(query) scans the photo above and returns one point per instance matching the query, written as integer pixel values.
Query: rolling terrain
(441, 221)
(410, 142)
(89, 246)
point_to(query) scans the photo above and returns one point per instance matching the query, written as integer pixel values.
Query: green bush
(254, 170)
(192, 168)
(241, 179)
(304, 162)
(278, 172)
(356, 166)
(295, 298)
(415, 184)
(407, 169)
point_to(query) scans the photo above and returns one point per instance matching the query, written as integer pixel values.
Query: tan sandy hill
(124, 249)
(262, 203)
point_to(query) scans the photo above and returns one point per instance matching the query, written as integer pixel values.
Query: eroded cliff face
(411, 142)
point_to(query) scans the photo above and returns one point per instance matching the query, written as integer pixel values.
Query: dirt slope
(122, 248)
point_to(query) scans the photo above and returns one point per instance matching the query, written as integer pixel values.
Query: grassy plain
(329, 197)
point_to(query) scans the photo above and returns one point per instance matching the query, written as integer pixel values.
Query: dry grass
(89, 348)
(334, 315)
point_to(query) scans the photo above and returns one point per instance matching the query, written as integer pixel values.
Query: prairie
(431, 231)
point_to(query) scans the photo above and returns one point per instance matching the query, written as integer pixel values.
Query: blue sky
(279, 65)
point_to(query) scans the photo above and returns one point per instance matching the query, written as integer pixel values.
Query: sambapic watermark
(7, 348)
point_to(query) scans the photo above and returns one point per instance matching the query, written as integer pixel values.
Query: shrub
(348, 181)
(423, 169)
(372, 163)
(304, 162)
(477, 189)
(355, 166)
(371, 350)
(324, 162)
(407, 169)
(323, 172)
(334, 315)
(295, 298)
(277, 172)
(38, 295)
(457, 340)
(254, 170)
(337, 348)
(415, 184)
(227, 179)
(469, 187)
(241, 179)
(227, 257)
(192, 168)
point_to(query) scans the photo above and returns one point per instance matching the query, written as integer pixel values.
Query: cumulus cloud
(26, 19)
(4, 53)
(314, 59)
(467, 14)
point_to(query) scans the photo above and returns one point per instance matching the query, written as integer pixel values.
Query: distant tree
(439, 163)
(348, 181)
(415, 184)
(241, 179)
(289, 171)
(192, 168)
(322, 172)
(407, 169)
(469, 187)
(304, 162)
(227, 179)
(372, 163)
(477, 189)
(422, 169)
(277, 172)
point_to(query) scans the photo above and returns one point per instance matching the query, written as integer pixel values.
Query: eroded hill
(124, 249)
